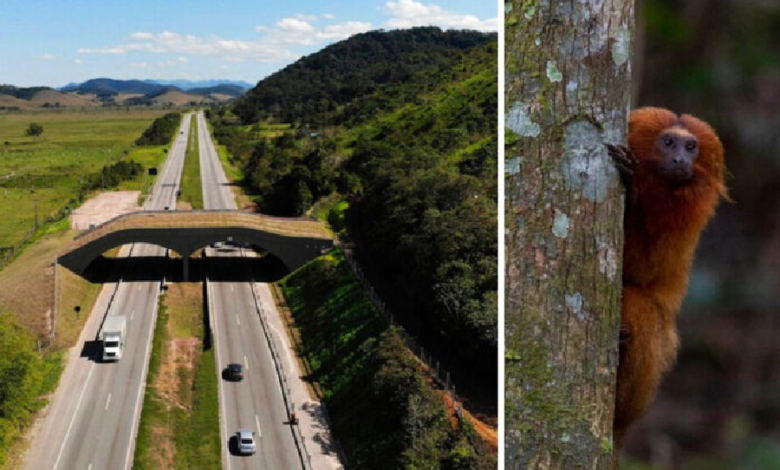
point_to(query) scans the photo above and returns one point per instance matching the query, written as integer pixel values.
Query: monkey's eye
(668, 141)
(690, 146)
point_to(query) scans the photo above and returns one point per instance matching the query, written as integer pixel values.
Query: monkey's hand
(625, 161)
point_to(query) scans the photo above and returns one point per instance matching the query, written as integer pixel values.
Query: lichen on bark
(567, 93)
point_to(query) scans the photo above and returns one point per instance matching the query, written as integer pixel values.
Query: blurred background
(719, 408)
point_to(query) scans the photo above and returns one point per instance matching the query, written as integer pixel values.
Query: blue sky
(54, 42)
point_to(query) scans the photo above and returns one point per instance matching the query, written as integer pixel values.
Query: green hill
(416, 159)
(317, 85)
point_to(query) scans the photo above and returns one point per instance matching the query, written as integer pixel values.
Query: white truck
(113, 336)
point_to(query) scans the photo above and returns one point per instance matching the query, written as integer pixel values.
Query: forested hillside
(416, 159)
(313, 88)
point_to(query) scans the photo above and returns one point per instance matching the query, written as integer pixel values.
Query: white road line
(139, 287)
(90, 467)
(257, 421)
(246, 362)
(108, 400)
(219, 370)
(231, 287)
(73, 419)
(131, 315)
(237, 320)
(142, 387)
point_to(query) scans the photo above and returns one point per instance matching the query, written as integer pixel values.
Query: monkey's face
(678, 150)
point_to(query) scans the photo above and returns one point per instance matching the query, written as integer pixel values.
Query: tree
(567, 93)
(34, 130)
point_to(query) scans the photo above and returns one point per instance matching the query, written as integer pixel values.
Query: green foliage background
(416, 159)
(382, 411)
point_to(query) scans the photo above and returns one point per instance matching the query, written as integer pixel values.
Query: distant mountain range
(107, 92)
(103, 86)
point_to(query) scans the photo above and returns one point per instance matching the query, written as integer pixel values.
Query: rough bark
(567, 93)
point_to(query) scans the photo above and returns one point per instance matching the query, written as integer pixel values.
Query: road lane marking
(139, 287)
(257, 421)
(90, 467)
(142, 385)
(131, 315)
(73, 419)
(246, 361)
(107, 402)
(223, 416)
(231, 287)
(237, 320)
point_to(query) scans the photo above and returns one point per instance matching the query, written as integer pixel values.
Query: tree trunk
(567, 93)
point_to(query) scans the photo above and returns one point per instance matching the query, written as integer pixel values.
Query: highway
(92, 420)
(256, 402)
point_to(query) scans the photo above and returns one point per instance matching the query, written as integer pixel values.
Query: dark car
(234, 372)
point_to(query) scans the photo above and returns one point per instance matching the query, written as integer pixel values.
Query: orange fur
(662, 227)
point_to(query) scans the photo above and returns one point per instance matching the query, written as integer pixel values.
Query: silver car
(246, 441)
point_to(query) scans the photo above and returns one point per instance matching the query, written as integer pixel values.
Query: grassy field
(51, 168)
(150, 157)
(180, 418)
(27, 289)
(191, 187)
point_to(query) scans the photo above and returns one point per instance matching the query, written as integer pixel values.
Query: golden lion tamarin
(673, 169)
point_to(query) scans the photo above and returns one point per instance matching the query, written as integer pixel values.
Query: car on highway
(234, 372)
(245, 440)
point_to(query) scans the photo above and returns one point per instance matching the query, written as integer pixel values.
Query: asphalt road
(256, 403)
(93, 417)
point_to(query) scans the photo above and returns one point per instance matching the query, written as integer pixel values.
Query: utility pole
(35, 206)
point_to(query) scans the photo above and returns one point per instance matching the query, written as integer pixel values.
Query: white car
(245, 440)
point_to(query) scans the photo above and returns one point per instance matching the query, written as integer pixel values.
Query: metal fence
(430, 364)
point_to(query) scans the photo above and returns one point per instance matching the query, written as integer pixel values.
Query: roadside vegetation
(407, 166)
(80, 152)
(191, 185)
(179, 425)
(161, 131)
(383, 412)
(25, 378)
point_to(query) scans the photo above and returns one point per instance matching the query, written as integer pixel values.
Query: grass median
(179, 425)
(191, 186)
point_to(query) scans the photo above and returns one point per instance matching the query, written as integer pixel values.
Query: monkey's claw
(625, 161)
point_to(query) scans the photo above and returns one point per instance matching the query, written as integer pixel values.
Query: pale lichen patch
(561, 225)
(608, 260)
(586, 166)
(512, 166)
(621, 48)
(553, 74)
(518, 120)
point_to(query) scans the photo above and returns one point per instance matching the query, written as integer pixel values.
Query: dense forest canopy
(317, 85)
(411, 142)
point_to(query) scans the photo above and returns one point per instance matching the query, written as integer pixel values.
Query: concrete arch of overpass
(291, 250)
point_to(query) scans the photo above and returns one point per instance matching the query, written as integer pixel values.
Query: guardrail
(300, 440)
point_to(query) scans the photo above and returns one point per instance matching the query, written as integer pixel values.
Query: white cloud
(261, 28)
(305, 17)
(343, 30)
(294, 25)
(183, 59)
(169, 42)
(139, 65)
(78, 62)
(328, 16)
(103, 50)
(408, 13)
(292, 31)
(47, 56)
